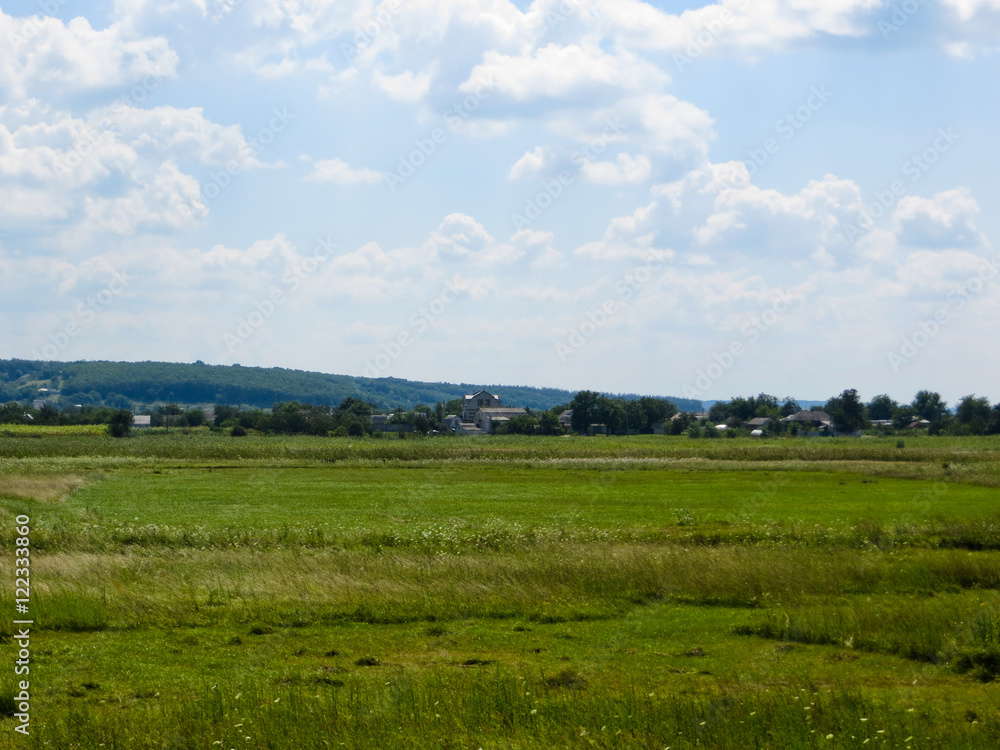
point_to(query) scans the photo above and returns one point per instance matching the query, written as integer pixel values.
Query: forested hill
(127, 383)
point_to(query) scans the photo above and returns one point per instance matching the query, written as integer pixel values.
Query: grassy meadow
(192, 590)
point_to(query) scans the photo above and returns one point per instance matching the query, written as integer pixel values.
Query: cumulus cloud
(69, 57)
(946, 220)
(407, 86)
(563, 72)
(625, 169)
(167, 199)
(117, 169)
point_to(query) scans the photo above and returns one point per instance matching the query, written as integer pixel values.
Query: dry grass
(43, 488)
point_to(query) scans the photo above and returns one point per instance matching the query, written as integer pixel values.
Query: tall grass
(500, 709)
(557, 582)
(961, 631)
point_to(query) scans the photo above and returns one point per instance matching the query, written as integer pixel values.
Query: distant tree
(767, 406)
(790, 407)
(585, 411)
(611, 412)
(719, 412)
(194, 417)
(519, 425)
(170, 410)
(929, 406)
(682, 424)
(993, 427)
(743, 409)
(904, 416)
(973, 414)
(882, 407)
(355, 407)
(48, 414)
(548, 424)
(11, 413)
(421, 423)
(224, 413)
(120, 423)
(635, 416)
(847, 411)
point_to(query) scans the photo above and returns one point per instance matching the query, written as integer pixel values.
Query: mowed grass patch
(201, 444)
(348, 504)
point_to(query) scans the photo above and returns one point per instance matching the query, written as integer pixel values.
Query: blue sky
(677, 198)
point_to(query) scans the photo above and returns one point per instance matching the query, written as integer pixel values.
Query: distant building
(476, 401)
(452, 421)
(468, 428)
(141, 421)
(488, 419)
(566, 419)
(380, 419)
(759, 423)
(814, 422)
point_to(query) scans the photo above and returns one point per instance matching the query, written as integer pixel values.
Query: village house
(488, 419)
(473, 403)
(815, 422)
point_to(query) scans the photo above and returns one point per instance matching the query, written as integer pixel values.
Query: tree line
(591, 412)
(973, 415)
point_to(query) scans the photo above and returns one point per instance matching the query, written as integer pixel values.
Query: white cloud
(563, 72)
(341, 173)
(705, 210)
(625, 169)
(168, 199)
(967, 9)
(117, 169)
(460, 235)
(946, 220)
(44, 52)
(534, 164)
(407, 86)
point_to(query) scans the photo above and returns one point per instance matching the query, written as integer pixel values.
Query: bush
(120, 424)
(238, 431)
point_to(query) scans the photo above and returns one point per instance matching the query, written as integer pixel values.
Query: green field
(195, 590)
